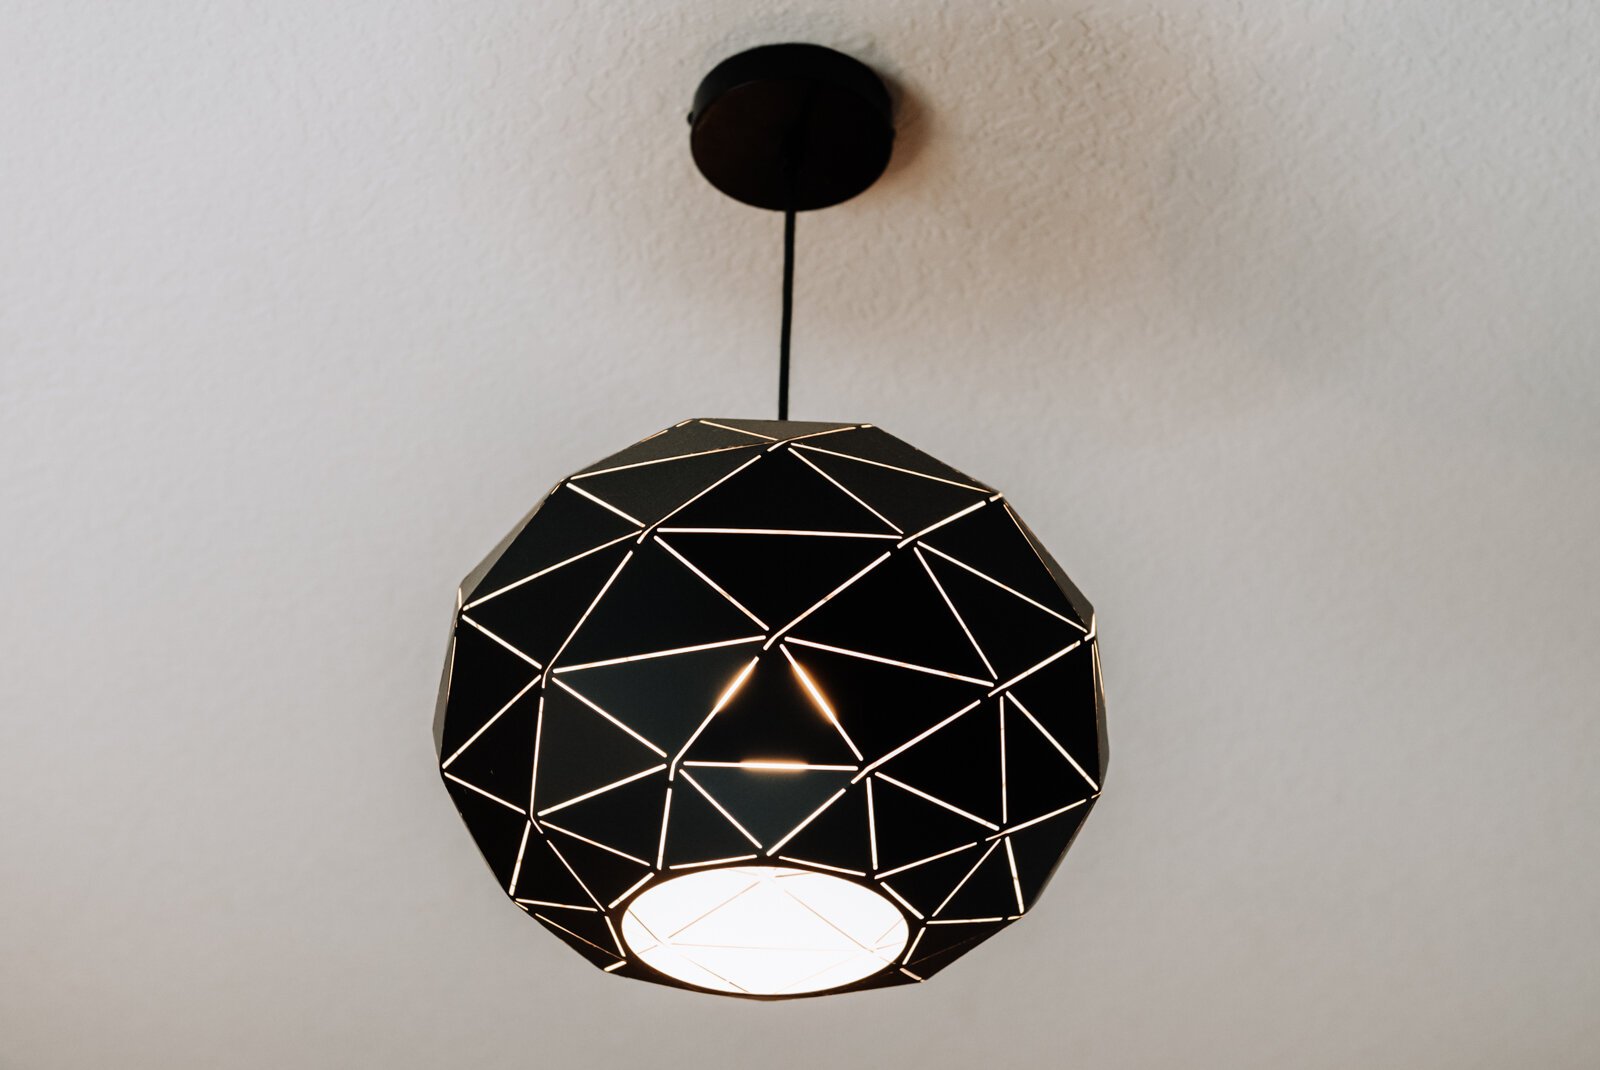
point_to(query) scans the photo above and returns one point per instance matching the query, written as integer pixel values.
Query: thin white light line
(559, 906)
(954, 612)
(822, 703)
(600, 791)
(593, 843)
(902, 901)
(911, 975)
(872, 827)
(1016, 882)
(1024, 674)
(819, 865)
(590, 609)
(829, 431)
(709, 582)
(574, 935)
(828, 922)
(814, 815)
(1054, 742)
(712, 862)
(614, 966)
(902, 748)
(813, 465)
(538, 736)
(1009, 590)
(631, 889)
(708, 490)
(940, 908)
(563, 860)
(1042, 817)
(1005, 793)
(516, 870)
(931, 858)
(474, 738)
(731, 819)
(915, 940)
(666, 815)
(501, 641)
(544, 571)
(936, 526)
(605, 504)
(773, 766)
(661, 460)
(888, 661)
(509, 806)
(568, 689)
(739, 431)
(660, 654)
(965, 921)
(722, 700)
(776, 531)
(990, 825)
(897, 468)
(746, 890)
(774, 637)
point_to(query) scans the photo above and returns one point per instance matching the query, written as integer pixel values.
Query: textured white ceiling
(1278, 321)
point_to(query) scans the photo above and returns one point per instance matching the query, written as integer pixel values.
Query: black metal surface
(791, 126)
(963, 728)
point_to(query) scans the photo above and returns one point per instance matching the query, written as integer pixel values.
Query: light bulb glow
(764, 930)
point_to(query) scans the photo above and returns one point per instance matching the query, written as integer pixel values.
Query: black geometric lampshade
(772, 709)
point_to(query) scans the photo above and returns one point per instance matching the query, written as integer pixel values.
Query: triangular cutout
(959, 764)
(769, 803)
(1040, 848)
(655, 604)
(931, 964)
(627, 817)
(585, 932)
(484, 676)
(537, 616)
(1039, 779)
(1014, 634)
(579, 751)
(987, 892)
(875, 444)
(496, 829)
(881, 707)
(839, 837)
(910, 827)
(777, 577)
(542, 877)
(781, 430)
(928, 885)
(698, 832)
(664, 699)
(647, 494)
(937, 940)
(500, 759)
(772, 717)
(564, 525)
(606, 875)
(910, 502)
(990, 541)
(779, 493)
(687, 438)
(1065, 697)
(895, 612)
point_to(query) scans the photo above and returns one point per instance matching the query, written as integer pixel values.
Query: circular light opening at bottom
(764, 930)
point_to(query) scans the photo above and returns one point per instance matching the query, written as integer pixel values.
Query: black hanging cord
(788, 314)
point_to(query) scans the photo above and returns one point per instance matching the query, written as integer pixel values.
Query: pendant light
(773, 708)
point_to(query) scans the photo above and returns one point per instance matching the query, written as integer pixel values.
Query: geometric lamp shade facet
(772, 709)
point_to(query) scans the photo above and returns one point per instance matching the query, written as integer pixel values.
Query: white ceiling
(1278, 321)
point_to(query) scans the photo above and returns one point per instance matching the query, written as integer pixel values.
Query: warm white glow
(764, 930)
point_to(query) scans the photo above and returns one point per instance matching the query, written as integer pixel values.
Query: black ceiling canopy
(772, 708)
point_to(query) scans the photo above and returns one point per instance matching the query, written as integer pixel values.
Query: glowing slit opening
(764, 930)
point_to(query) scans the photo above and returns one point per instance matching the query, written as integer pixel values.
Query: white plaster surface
(1279, 321)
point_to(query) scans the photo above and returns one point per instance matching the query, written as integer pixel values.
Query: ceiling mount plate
(791, 126)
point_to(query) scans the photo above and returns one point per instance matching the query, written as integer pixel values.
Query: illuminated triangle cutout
(771, 718)
(1013, 634)
(647, 494)
(777, 577)
(664, 699)
(536, 617)
(959, 764)
(568, 525)
(912, 828)
(1039, 780)
(572, 728)
(781, 493)
(698, 832)
(769, 804)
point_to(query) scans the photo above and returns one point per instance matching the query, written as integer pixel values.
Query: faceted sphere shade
(772, 709)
